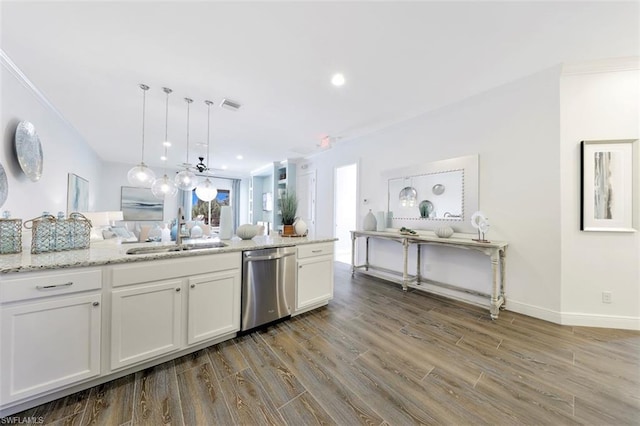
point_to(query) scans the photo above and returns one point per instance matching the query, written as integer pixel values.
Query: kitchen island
(72, 320)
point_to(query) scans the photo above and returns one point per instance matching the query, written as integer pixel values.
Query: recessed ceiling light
(223, 167)
(163, 158)
(239, 157)
(166, 143)
(337, 79)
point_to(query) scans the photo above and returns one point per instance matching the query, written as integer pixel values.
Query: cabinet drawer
(310, 250)
(33, 285)
(141, 272)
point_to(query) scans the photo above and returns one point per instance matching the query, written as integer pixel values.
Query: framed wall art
(609, 185)
(140, 204)
(77, 194)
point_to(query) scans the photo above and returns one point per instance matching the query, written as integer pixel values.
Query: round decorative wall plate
(438, 189)
(29, 150)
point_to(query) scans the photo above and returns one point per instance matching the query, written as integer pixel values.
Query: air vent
(229, 104)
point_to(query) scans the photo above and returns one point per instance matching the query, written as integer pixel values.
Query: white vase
(226, 223)
(369, 222)
(196, 231)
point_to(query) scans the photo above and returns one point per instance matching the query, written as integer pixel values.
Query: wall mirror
(434, 194)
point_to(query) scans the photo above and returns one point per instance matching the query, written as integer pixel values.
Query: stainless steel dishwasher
(268, 286)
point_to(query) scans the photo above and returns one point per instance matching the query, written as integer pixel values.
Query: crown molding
(628, 63)
(28, 84)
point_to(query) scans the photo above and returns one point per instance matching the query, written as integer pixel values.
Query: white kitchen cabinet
(314, 286)
(164, 306)
(214, 305)
(50, 325)
(146, 321)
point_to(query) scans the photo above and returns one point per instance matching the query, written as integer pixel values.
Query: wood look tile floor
(379, 356)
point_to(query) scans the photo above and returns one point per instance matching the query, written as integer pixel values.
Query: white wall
(64, 151)
(597, 105)
(515, 129)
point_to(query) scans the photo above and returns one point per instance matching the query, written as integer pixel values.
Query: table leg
(418, 266)
(405, 274)
(495, 299)
(503, 264)
(366, 254)
(353, 254)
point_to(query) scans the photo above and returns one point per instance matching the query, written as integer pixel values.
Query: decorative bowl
(444, 232)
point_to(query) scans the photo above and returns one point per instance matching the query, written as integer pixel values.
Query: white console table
(496, 250)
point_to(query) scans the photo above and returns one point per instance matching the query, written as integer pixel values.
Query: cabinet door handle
(178, 289)
(193, 286)
(299, 266)
(316, 251)
(96, 303)
(47, 287)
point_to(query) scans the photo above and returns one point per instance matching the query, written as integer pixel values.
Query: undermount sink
(181, 247)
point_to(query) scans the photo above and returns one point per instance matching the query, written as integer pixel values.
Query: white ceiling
(400, 59)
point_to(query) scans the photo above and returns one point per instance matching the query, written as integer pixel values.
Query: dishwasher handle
(249, 258)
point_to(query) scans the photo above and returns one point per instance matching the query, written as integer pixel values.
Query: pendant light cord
(166, 127)
(144, 88)
(209, 103)
(188, 101)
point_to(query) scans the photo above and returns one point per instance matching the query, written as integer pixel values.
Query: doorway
(345, 204)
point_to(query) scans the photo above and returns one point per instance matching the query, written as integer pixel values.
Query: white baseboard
(606, 321)
(575, 318)
(533, 311)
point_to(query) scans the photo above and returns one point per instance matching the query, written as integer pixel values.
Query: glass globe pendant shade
(141, 176)
(206, 191)
(163, 187)
(408, 196)
(186, 180)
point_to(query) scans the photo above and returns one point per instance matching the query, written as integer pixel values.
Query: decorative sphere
(246, 232)
(300, 227)
(444, 232)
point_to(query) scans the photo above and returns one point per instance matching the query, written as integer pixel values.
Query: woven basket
(10, 236)
(51, 234)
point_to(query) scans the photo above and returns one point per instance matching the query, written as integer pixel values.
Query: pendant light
(206, 191)
(141, 175)
(408, 196)
(186, 180)
(164, 186)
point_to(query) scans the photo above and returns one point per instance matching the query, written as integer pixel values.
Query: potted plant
(288, 207)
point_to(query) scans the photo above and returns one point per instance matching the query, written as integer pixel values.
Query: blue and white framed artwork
(140, 204)
(77, 194)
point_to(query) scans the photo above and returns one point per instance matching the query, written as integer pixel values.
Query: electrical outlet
(606, 297)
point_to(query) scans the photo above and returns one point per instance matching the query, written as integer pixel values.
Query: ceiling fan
(201, 167)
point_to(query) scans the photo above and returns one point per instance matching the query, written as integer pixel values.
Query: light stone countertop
(111, 252)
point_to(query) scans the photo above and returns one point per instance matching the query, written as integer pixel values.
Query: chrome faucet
(180, 223)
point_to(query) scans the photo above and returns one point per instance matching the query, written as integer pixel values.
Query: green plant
(288, 207)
